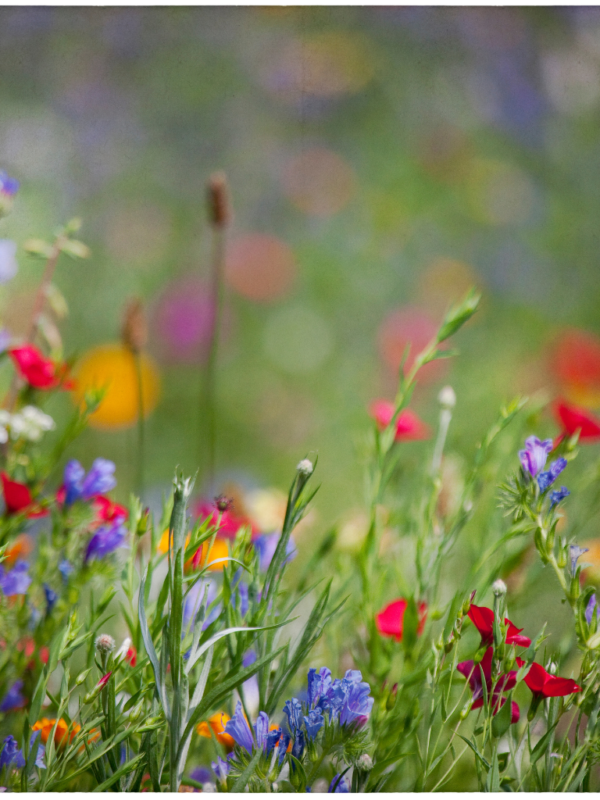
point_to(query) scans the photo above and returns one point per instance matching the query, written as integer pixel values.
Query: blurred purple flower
(16, 580)
(8, 260)
(79, 486)
(266, 546)
(194, 600)
(547, 478)
(239, 730)
(8, 186)
(11, 754)
(201, 774)
(184, 320)
(220, 768)
(51, 598)
(338, 785)
(5, 339)
(14, 698)
(589, 611)
(106, 540)
(533, 457)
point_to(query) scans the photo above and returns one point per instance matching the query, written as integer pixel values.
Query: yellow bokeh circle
(113, 366)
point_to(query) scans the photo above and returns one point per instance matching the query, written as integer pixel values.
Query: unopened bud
(134, 332)
(447, 398)
(143, 523)
(82, 676)
(219, 204)
(105, 643)
(305, 467)
(499, 588)
(223, 503)
(365, 762)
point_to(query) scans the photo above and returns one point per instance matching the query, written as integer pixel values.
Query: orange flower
(203, 556)
(217, 723)
(19, 549)
(163, 545)
(45, 725)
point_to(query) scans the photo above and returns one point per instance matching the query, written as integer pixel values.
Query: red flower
(474, 672)
(17, 497)
(230, 522)
(573, 419)
(131, 656)
(107, 511)
(103, 680)
(39, 372)
(542, 684)
(408, 425)
(483, 619)
(390, 620)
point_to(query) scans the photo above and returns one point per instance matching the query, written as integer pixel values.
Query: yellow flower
(163, 545)
(113, 366)
(217, 722)
(220, 549)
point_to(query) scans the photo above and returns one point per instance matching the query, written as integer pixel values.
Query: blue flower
(266, 546)
(201, 774)
(51, 598)
(298, 746)
(546, 479)
(589, 611)
(220, 768)
(284, 741)
(193, 603)
(14, 698)
(576, 552)
(357, 705)
(39, 759)
(8, 186)
(313, 723)
(533, 458)
(558, 495)
(79, 486)
(106, 540)
(239, 730)
(293, 711)
(319, 685)
(338, 785)
(16, 580)
(11, 754)
(65, 568)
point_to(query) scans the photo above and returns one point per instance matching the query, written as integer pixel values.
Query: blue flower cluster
(533, 460)
(347, 699)
(79, 486)
(12, 756)
(16, 580)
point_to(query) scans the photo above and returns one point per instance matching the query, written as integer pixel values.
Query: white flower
(29, 423)
(122, 651)
(3, 435)
(8, 260)
(305, 467)
(447, 397)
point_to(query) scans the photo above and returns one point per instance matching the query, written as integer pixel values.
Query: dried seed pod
(219, 203)
(134, 332)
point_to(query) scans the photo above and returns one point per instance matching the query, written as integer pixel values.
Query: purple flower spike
(293, 711)
(533, 457)
(14, 698)
(319, 684)
(11, 754)
(313, 723)
(589, 611)
(239, 730)
(100, 479)
(546, 479)
(106, 540)
(16, 581)
(558, 496)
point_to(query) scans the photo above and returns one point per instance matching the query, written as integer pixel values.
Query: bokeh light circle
(499, 193)
(113, 366)
(412, 326)
(575, 362)
(260, 267)
(184, 318)
(318, 182)
(445, 281)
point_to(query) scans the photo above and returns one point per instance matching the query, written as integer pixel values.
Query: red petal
(560, 687)
(536, 678)
(512, 635)
(483, 619)
(389, 620)
(516, 713)
(16, 495)
(573, 418)
(408, 425)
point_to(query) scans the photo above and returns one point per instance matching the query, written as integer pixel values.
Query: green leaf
(493, 778)
(241, 782)
(501, 721)
(458, 315)
(149, 645)
(473, 747)
(124, 770)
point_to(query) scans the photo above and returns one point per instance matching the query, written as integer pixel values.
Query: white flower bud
(122, 651)
(105, 643)
(499, 588)
(305, 467)
(447, 398)
(365, 762)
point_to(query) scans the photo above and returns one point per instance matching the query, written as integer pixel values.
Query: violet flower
(239, 730)
(51, 598)
(576, 552)
(558, 495)
(11, 754)
(8, 186)
(313, 723)
(589, 611)
(547, 478)
(221, 769)
(266, 546)
(79, 486)
(14, 698)
(319, 684)
(338, 785)
(16, 580)
(533, 457)
(106, 540)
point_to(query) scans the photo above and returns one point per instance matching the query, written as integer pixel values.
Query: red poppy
(230, 522)
(38, 371)
(572, 418)
(576, 364)
(542, 684)
(474, 673)
(107, 511)
(17, 498)
(483, 619)
(131, 656)
(390, 620)
(408, 425)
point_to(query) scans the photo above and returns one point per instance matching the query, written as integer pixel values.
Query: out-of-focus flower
(14, 698)
(202, 590)
(18, 550)
(17, 498)
(11, 755)
(16, 580)
(220, 768)
(51, 598)
(475, 672)
(266, 546)
(163, 544)
(542, 684)
(318, 181)
(338, 785)
(8, 186)
(558, 495)
(105, 643)
(573, 419)
(38, 371)
(8, 260)
(575, 553)
(266, 507)
(230, 522)
(408, 425)
(533, 457)
(217, 724)
(483, 619)
(113, 366)
(106, 540)
(64, 732)
(260, 267)
(107, 511)
(184, 321)
(79, 486)
(410, 326)
(547, 478)
(390, 620)
(590, 608)
(5, 339)
(203, 556)
(29, 423)
(65, 568)
(575, 360)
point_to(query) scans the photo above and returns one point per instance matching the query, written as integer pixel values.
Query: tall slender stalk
(134, 334)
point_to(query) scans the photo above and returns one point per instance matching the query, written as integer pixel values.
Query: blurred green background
(381, 161)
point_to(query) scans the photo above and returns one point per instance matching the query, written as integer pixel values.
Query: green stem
(140, 422)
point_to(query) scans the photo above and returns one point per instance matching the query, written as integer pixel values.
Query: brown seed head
(219, 202)
(135, 328)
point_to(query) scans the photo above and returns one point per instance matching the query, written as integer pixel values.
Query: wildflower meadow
(187, 650)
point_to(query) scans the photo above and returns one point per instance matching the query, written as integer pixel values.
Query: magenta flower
(534, 456)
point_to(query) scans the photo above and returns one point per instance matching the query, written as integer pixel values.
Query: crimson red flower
(542, 684)
(38, 371)
(572, 418)
(483, 619)
(103, 680)
(107, 511)
(230, 522)
(474, 672)
(131, 656)
(17, 497)
(390, 620)
(408, 425)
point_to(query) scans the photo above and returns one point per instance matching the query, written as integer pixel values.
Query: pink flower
(390, 620)
(408, 425)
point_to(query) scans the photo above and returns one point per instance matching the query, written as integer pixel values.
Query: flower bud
(223, 503)
(499, 588)
(82, 676)
(219, 203)
(305, 467)
(134, 332)
(105, 643)
(447, 398)
(365, 762)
